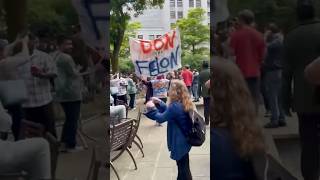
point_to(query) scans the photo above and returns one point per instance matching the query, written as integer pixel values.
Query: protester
(273, 70)
(9, 64)
(149, 90)
(37, 74)
(122, 89)
(117, 112)
(160, 87)
(132, 91)
(176, 112)
(195, 85)
(301, 48)
(114, 90)
(186, 75)
(235, 134)
(30, 155)
(68, 93)
(203, 91)
(248, 47)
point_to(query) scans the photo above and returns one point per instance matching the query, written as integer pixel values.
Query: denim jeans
(206, 103)
(195, 91)
(184, 172)
(132, 100)
(273, 89)
(69, 131)
(254, 88)
(16, 114)
(189, 90)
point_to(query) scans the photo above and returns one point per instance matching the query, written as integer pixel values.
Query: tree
(121, 11)
(194, 34)
(130, 32)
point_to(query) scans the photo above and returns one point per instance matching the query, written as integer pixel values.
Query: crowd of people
(35, 73)
(282, 67)
(124, 88)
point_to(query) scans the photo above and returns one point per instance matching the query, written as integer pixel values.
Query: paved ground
(156, 165)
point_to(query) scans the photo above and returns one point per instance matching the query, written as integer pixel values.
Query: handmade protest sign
(158, 56)
(160, 88)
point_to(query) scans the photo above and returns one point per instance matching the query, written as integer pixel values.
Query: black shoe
(282, 123)
(271, 125)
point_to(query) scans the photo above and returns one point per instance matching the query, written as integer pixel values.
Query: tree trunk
(16, 11)
(116, 51)
(193, 49)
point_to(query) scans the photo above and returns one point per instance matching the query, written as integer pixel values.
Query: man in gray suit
(302, 46)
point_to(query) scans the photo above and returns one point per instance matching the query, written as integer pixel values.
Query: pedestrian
(177, 111)
(203, 91)
(37, 74)
(9, 64)
(273, 76)
(248, 47)
(301, 47)
(186, 75)
(122, 89)
(114, 90)
(149, 90)
(195, 85)
(132, 91)
(235, 134)
(68, 93)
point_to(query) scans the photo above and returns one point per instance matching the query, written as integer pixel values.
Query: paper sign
(160, 88)
(158, 56)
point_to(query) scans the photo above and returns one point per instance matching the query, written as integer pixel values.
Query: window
(140, 36)
(151, 37)
(179, 3)
(180, 14)
(198, 3)
(209, 14)
(191, 3)
(172, 3)
(208, 24)
(159, 36)
(172, 14)
(208, 4)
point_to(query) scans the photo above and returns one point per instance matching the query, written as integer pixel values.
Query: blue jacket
(174, 113)
(226, 164)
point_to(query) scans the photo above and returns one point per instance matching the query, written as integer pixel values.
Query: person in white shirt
(122, 89)
(31, 155)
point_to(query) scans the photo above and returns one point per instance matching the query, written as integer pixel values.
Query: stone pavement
(157, 165)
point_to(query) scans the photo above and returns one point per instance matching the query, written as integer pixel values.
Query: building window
(151, 37)
(179, 3)
(191, 3)
(208, 24)
(140, 36)
(208, 3)
(198, 3)
(209, 14)
(172, 14)
(180, 14)
(172, 3)
(159, 36)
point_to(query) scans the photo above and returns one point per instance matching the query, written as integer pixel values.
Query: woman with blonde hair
(177, 116)
(235, 135)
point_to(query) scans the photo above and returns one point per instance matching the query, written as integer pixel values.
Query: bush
(195, 61)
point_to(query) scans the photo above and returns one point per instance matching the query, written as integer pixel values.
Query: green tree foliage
(194, 60)
(55, 16)
(194, 34)
(130, 32)
(121, 11)
(281, 12)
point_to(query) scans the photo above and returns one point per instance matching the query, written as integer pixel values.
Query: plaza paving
(157, 165)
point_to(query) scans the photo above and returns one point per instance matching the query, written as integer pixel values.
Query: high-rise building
(156, 22)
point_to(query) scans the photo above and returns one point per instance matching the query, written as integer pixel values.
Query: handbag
(13, 92)
(197, 135)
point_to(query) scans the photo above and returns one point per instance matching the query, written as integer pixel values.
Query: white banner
(93, 17)
(158, 56)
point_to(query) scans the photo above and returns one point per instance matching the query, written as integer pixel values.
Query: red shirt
(187, 77)
(249, 48)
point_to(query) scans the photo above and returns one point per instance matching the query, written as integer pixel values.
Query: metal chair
(120, 139)
(121, 102)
